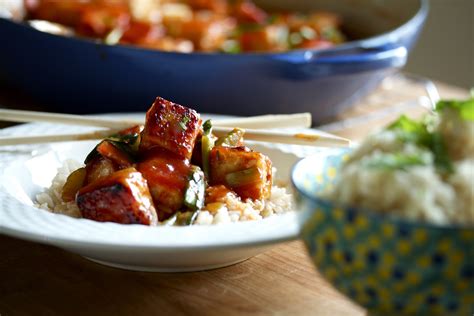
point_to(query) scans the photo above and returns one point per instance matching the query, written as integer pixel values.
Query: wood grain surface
(42, 280)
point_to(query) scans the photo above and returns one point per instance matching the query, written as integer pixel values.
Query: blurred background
(444, 53)
(445, 50)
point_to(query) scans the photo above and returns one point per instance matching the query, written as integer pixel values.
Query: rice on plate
(417, 170)
(231, 210)
(172, 171)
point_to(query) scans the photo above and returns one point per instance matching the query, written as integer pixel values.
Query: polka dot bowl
(389, 266)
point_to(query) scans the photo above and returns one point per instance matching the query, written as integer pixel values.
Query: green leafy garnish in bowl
(399, 161)
(422, 134)
(465, 108)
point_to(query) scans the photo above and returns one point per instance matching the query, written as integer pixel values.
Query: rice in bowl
(415, 170)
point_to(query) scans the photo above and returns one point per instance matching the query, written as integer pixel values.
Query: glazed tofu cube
(123, 197)
(172, 127)
(247, 173)
(167, 175)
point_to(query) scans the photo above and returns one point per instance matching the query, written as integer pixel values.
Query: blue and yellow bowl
(388, 266)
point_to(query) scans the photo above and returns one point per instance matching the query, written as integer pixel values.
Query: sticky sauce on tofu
(171, 126)
(167, 175)
(122, 197)
(246, 172)
(171, 166)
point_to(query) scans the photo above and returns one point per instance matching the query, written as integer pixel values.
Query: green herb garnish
(409, 130)
(184, 121)
(420, 133)
(398, 161)
(465, 108)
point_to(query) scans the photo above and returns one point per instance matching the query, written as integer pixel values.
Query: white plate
(27, 170)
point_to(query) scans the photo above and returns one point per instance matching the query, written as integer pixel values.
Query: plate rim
(292, 231)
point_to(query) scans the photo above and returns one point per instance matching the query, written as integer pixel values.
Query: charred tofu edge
(171, 126)
(131, 182)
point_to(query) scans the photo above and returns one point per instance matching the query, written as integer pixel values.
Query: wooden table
(43, 280)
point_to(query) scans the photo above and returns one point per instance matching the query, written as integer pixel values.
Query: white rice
(231, 210)
(419, 193)
(51, 200)
(234, 210)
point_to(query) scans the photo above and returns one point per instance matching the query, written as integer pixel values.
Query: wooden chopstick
(39, 139)
(261, 121)
(267, 121)
(315, 138)
(68, 119)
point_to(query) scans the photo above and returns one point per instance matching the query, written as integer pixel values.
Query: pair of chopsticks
(259, 128)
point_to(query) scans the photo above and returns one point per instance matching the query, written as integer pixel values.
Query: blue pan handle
(312, 64)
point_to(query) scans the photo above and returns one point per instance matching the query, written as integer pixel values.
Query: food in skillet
(189, 25)
(416, 169)
(172, 170)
